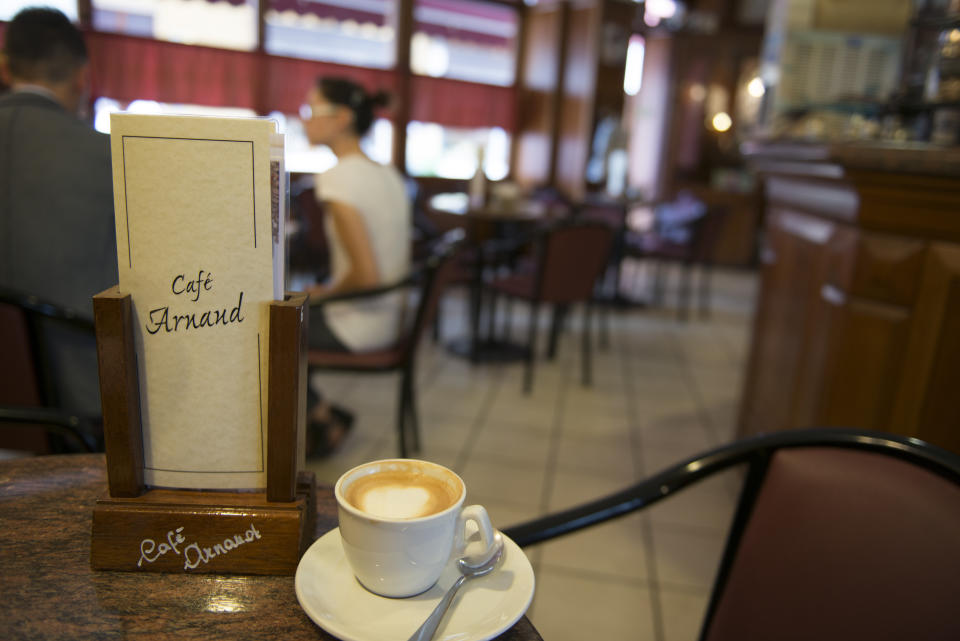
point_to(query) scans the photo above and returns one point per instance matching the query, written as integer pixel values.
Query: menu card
(199, 242)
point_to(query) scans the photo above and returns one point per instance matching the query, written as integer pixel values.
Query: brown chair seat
(839, 535)
(390, 358)
(521, 285)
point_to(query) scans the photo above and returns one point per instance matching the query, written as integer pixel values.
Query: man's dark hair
(42, 44)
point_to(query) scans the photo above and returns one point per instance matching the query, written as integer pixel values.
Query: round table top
(519, 210)
(48, 591)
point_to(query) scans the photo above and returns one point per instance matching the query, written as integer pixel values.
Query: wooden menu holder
(140, 529)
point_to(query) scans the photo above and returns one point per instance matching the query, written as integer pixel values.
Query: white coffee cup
(400, 522)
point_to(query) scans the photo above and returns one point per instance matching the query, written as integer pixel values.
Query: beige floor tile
(354, 451)
(572, 488)
(501, 481)
(610, 454)
(538, 412)
(655, 458)
(583, 407)
(614, 548)
(546, 386)
(374, 421)
(684, 431)
(574, 395)
(700, 345)
(445, 432)
(708, 505)
(448, 402)
(686, 557)
(570, 607)
(683, 613)
(504, 513)
(599, 426)
(498, 442)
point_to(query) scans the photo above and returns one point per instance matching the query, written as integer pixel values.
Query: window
(353, 32)
(300, 156)
(230, 24)
(10, 8)
(464, 40)
(449, 152)
(103, 107)
(633, 73)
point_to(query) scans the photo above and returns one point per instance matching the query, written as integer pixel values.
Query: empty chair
(569, 258)
(400, 357)
(27, 430)
(839, 535)
(690, 242)
(40, 343)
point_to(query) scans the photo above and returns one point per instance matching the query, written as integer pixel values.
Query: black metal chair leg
(414, 424)
(658, 284)
(705, 273)
(531, 348)
(603, 313)
(507, 319)
(436, 323)
(556, 326)
(492, 316)
(683, 296)
(587, 364)
(402, 417)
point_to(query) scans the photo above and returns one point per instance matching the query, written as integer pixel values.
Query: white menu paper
(198, 245)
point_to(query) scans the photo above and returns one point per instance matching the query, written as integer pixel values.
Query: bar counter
(859, 302)
(48, 591)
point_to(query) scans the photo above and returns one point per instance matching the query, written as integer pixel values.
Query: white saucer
(486, 606)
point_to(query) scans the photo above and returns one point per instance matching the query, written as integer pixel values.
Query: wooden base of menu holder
(139, 529)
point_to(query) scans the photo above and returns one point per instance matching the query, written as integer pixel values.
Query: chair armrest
(499, 249)
(364, 293)
(55, 421)
(46, 309)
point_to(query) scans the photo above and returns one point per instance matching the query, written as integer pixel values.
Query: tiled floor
(664, 390)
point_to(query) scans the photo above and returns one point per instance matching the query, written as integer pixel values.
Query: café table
(48, 591)
(490, 221)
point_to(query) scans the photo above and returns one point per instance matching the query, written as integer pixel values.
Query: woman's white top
(378, 193)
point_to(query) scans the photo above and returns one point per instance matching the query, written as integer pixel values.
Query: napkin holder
(139, 529)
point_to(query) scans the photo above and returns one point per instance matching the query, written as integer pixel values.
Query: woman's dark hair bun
(379, 99)
(346, 92)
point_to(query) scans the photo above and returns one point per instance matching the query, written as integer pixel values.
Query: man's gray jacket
(57, 238)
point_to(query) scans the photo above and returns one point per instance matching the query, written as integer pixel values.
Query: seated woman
(368, 226)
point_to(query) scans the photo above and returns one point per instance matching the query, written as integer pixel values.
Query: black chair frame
(408, 424)
(75, 429)
(36, 312)
(755, 453)
(506, 251)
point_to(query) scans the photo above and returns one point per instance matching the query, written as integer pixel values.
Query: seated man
(57, 238)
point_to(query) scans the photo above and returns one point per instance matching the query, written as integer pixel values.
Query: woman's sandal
(324, 437)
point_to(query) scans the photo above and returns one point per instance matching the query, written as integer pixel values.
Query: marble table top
(48, 591)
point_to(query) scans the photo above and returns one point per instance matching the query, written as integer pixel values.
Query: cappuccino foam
(400, 494)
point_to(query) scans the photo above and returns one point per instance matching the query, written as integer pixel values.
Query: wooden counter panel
(864, 364)
(865, 332)
(887, 268)
(927, 406)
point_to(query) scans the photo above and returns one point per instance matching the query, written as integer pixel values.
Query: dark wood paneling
(927, 405)
(888, 268)
(865, 357)
(932, 203)
(537, 88)
(796, 249)
(576, 110)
